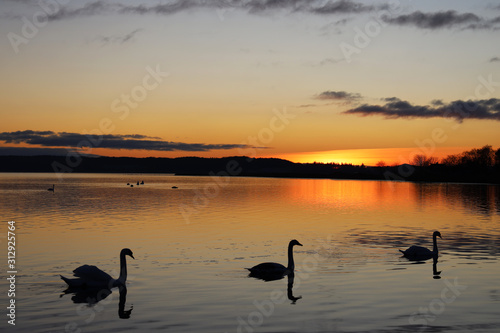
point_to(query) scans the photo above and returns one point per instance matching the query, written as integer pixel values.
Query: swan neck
(123, 268)
(435, 246)
(291, 264)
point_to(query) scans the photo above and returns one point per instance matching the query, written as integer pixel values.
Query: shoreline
(242, 166)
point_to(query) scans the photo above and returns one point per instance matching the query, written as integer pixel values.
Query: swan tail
(403, 252)
(73, 282)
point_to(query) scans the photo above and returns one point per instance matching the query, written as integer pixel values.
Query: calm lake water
(191, 245)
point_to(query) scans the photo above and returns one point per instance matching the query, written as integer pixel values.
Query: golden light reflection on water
(199, 257)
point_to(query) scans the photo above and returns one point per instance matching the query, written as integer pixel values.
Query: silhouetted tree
(482, 157)
(424, 161)
(451, 160)
(381, 164)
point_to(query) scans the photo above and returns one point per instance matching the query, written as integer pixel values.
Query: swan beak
(132, 256)
(299, 244)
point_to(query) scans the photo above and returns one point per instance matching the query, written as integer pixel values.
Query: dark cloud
(443, 19)
(343, 7)
(118, 39)
(338, 95)
(437, 102)
(25, 151)
(111, 141)
(495, 59)
(323, 7)
(433, 20)
(89, 9)
(488, 109)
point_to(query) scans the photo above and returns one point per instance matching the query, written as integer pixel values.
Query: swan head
(437, 234)
(127, 252)
(294, 242)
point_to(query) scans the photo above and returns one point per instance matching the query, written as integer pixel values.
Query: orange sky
(285, 82)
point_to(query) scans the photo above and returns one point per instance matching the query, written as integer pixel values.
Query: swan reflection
(435, 273)
(122, 313)
(92, 296)
(289, 289)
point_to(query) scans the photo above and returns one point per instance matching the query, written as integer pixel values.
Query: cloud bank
(395, 108)
(386, 12)
(338, 96)
(111, 141)
(444, 19)
(27, 151)
(323, 7)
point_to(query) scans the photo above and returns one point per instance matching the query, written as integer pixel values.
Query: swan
(51, 189)
(421, 253)
(273, 271)
(92, 277)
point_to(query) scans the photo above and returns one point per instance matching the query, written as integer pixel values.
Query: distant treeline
(477, 165)
(482, 157)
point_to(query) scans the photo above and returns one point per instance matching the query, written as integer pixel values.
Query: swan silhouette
(92, 277)
(52, 188)
(421, 253)
(270, 271)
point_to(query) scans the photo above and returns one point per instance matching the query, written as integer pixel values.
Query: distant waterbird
(421, 253)
(51, 189)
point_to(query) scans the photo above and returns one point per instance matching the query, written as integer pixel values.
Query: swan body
(273, 271)
(422, 253)
(88, 276)
(52, 188)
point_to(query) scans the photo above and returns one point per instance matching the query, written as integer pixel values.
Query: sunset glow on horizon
(307, 81)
